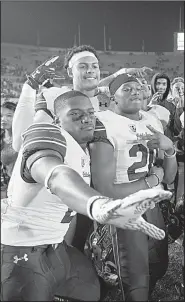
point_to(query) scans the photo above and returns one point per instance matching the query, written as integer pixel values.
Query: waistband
(10, 249)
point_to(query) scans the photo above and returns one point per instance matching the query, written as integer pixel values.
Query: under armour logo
(16, 259)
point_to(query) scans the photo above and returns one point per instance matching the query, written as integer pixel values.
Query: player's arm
(23, 116)
(64, 182)
(139, 72)
(103, 170)
(77, 195)
(169, 165)
(44, 149)
(158, 140)
(25, 111)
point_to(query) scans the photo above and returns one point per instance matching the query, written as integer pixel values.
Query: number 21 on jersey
(133, 152)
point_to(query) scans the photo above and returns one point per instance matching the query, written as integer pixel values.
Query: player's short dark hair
(77, 49)
(62, 99)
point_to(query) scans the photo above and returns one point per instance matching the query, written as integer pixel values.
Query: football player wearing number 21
(123, 162)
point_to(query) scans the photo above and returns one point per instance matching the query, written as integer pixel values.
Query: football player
(126, 165)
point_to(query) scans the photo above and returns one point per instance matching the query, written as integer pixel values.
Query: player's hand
(126, 213)
(159, 171)
(44, 72)
(157, 140)
(140, 72)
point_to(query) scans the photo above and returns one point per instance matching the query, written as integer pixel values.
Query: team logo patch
(132, 128)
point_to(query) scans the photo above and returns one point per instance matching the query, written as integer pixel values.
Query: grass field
(165, 288)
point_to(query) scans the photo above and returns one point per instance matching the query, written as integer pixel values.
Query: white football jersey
(133, 157)
(32, 216)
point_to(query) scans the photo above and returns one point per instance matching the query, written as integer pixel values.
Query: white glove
(126, 213)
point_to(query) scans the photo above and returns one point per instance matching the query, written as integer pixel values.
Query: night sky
(127, 23)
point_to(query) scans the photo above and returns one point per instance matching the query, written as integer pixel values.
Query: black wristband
(32, 83)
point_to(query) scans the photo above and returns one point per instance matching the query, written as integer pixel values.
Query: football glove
(126, 213)
(44, 72)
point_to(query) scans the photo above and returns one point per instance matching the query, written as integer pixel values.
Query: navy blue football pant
(143, 260)
(38, 273)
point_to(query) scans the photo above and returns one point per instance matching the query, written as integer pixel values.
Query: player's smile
(136, 99)
(90, 78)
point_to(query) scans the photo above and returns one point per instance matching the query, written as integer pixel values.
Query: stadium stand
(17, 60)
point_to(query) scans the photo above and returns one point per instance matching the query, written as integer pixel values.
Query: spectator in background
(8, 155)
(160, 112)
(146, 92)
(160, 87)
(179, 192)
(178, 97)
(177, 87)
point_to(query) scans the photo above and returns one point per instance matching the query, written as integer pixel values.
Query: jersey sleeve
(41, 140)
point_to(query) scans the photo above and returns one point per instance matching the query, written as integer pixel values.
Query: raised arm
(138, 72)
(23, 116)
(25, 111)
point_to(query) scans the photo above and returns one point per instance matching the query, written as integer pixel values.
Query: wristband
(153, 173)
(120, 72)
(170, 156)
(146, 181)
(90, 202)
(32, 83)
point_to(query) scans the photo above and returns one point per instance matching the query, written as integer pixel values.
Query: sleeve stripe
(26, 145)
(45, 137)
(35, 129)
(39, 138)
(41, 125)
